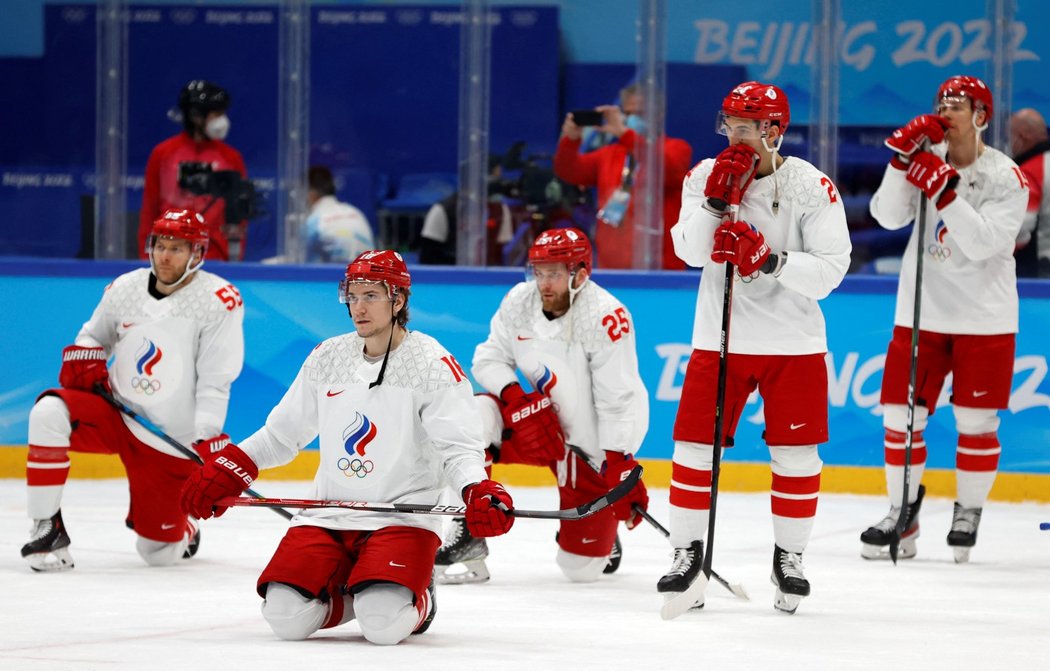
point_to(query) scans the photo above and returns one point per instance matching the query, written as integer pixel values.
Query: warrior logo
(148, 356)
(356, 438)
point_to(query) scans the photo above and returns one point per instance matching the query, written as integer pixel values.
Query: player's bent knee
(694, 455)
(291, 615)
(578, 568)
(975, 421)
(49, 422)
(157, 553)
(385, 613)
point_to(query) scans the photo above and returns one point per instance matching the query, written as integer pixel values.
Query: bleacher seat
(401, 217)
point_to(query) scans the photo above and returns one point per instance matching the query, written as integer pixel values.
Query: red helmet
(967, 87)
(184, 224)
(762, 102)
(381, 265)
(562, 245)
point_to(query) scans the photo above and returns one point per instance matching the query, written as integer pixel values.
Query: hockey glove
(742, 244)
(908, 139)
(934, 177)
(532, 426)
(488, 509)
(83, 368)
(734, 165)
(615, 469)
(207, 447)
(229, 473)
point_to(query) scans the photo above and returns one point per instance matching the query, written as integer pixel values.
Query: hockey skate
(432, 597)
(787, 576)
(48, 546)
(461, 548)
(194, 543)
(876, 539)
(683, 586)
(963, 535)
(614, 556)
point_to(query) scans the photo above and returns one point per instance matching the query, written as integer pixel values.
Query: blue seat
(421, 190)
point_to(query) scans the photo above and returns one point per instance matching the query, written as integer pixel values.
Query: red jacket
(603, 168)
(161, 189)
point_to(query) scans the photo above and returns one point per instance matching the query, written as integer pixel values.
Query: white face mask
(218, 128)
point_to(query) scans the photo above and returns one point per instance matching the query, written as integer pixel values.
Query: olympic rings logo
(939, 253)
(355, 467)
(144, 385)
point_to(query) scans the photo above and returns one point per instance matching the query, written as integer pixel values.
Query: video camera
(535, 185)
(242, 202)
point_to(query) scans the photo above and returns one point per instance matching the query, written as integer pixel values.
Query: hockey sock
(894, 444)
(690, 492)
(794, 492)
(976, 465)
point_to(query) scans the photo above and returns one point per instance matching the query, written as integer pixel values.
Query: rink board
(290, 309)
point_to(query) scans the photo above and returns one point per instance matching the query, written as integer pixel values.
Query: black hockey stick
(146, 424)
(577, 513)
(738, 590)
(920, 242)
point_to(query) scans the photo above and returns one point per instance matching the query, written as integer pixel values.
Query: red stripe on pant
(978, 462)
(894, 444)
(42, 469)
(807, 486)
(692, 477)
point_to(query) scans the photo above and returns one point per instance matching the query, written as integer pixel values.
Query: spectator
(336, 232)
(202, 106)
(613, 170)
(1031, 151)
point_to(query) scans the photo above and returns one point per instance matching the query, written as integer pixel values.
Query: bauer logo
(146, 359)
(530, 409)
(356, 438)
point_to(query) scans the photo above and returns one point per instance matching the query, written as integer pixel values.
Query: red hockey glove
(735, 164)
(934, 177)
(229, 473)
(207, 448)
(615, 469)
(488, 509)
(742, 244)
(83, 368)
(908, 139)
(530, 423)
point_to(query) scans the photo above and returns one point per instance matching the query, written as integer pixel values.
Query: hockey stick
(685, 600)
(738, 590)
(146, 424)
(577, 513)
(902, 519)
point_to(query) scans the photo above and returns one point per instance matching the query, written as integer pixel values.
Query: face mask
(636, 123)
(218, 128)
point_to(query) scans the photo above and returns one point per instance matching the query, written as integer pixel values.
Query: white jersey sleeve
(693, 235)
(493, 365)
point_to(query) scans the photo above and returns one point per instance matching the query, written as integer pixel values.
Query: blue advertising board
(288, 310)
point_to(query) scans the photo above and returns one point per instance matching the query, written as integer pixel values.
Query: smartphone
(588, 118)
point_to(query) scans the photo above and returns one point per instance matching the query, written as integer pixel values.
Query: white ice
(114, 612)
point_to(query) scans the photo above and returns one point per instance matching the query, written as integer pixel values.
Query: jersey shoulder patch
(801, 183)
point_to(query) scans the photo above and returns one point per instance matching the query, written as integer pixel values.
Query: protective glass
(379, 295)
(533, 273)
(951, 104)
(738, 128)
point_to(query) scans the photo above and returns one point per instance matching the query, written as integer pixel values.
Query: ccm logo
(237, 470)
(519, 415)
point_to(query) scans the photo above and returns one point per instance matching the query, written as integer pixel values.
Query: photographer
(196, 169)
(614, 170)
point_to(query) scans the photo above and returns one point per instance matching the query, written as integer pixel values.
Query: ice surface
(114, 612)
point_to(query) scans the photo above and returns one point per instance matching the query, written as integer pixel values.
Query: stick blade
(683, 601)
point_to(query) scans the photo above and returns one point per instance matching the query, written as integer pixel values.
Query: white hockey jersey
(586, 361)
(402, 441)
(770, 315)
(969, 282)
(173, 359)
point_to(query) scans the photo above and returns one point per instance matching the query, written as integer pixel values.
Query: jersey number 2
(617, 324)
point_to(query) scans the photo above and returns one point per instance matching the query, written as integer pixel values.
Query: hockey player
(396, 422)
(575, 343)
(791, 248)
(976, 204)
(174, 334)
